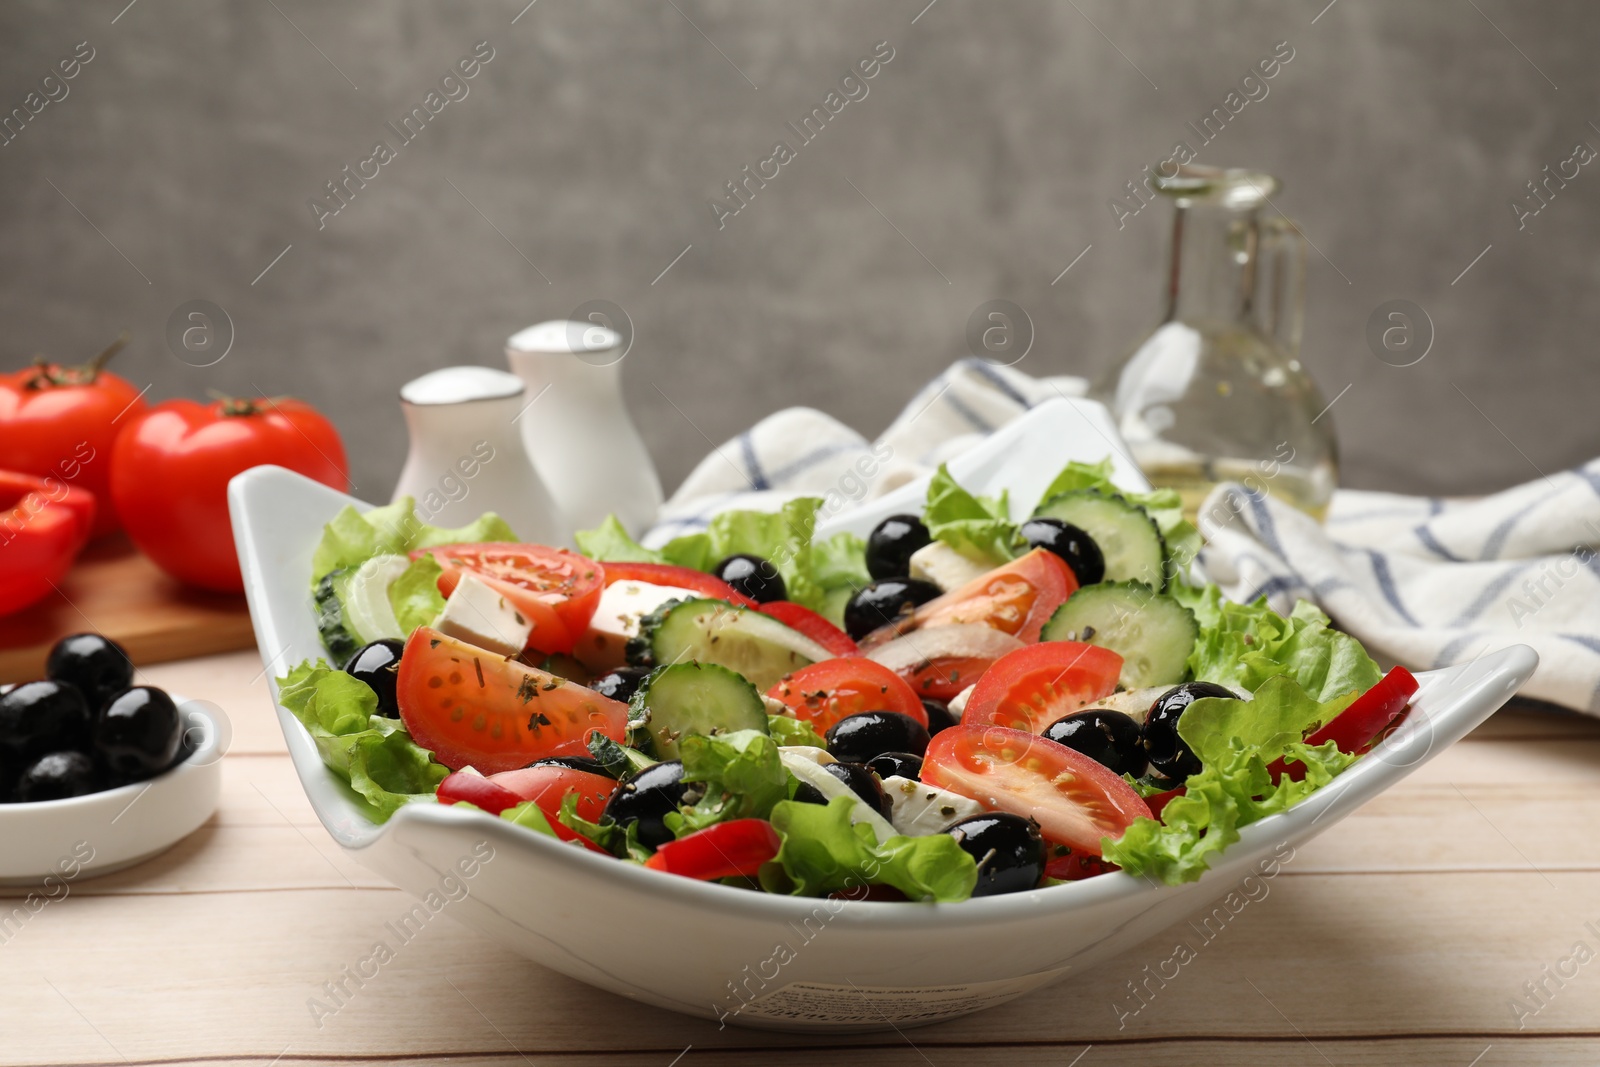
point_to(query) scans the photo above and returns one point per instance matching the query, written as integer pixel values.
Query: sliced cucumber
(697, 698)
(713, 631)
(1128, 537)
(336, 638)
(367, 611)
(1151, 631)
(353, 606)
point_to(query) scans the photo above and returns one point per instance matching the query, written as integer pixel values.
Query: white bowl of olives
(96, 773)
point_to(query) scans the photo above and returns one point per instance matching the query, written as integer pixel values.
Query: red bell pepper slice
(44, 522)
(727, 849)
(1359, 725)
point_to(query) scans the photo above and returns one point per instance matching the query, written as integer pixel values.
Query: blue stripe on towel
(1490, 593)
(960, 407)
(1258, 507)
(1380, 571)
(1497, 539)
(1447, 655)
(1273, 586)
(747, 448)
(1431, 543)
(987, 372)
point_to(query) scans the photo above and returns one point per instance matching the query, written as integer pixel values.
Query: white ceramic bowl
(82, 837)
(780, 962)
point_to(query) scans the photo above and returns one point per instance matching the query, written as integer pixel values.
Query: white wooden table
(1404, 935)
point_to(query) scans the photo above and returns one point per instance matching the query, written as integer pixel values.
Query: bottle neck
(1212, 271)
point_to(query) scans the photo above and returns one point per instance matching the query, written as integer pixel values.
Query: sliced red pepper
(1159, 801)
(1359, 725)
(727, 849)
(814, 626)
(44, 522)
(680, 577)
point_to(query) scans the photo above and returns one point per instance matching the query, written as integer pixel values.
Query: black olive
(1170, 754)
(940, 716)
(138, 733)
(1075, 547)
(97, 666)
(41, 717)
(621, 683)
(891, 543)
(378, 664)
(1108, 737)
(888, 764)
(863, 783)
(857, 738)
(575, 763)
(1008, 848)
(646, 799)
(888, 600)
(753, 576)
(56, 777)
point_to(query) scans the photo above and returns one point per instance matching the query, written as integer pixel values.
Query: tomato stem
(238, 406)
(50, 374)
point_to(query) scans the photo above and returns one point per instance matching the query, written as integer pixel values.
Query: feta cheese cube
(480, 615)
(925, 809)
(622, 605)
(945, 567)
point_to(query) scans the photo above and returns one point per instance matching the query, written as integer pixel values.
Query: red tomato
(1359, 725)
(171, 466)
(472, 708)
(1016, 599)
(1034, 686)
(1074, 867)
(469, 787)
(1075, 800)
(738, 847)
(555, 589)
(942, 661)
(44, 522)
(812, 625)
(61, 422)
(680, 577)
(825, 692)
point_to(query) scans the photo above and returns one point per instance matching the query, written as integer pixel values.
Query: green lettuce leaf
(1165, 506)
(975, 526)
(415, 595)
(789, 731)
(353, 537)
(1236, 741)
(823, 852)
(740, 775)
(819, 575)
(610, 541)
(1243, 645)
(529, 815)
(374, 754)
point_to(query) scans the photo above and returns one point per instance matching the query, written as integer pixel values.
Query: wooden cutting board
(114, 590)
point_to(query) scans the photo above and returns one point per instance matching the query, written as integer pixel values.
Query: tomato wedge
(679, 578)
(814, 626)
(1016, 599)
(555, 589)
(1074, 867)
(1034, 686)
(941, 661)
(833, 689)
(1075, 800)
(546, 785)
(738, 847)
(473, 708)
(1359, 725)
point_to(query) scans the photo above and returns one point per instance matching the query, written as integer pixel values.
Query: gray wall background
(993, 141)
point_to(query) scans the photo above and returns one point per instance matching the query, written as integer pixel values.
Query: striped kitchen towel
(1420, 581)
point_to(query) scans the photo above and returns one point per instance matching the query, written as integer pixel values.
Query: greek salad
(957, 705)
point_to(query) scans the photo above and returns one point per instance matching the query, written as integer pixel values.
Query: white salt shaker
(578, 430)
(467, 457)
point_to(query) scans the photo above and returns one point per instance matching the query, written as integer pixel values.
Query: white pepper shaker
(577, 429)
(467, 457)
